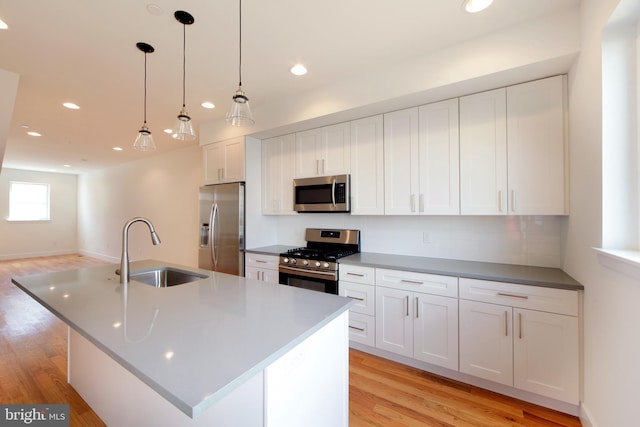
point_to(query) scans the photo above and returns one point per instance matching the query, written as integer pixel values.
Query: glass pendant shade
(144, 140)
(240, 113)
(183, 129)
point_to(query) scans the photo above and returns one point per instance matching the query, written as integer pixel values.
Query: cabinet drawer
(539, 298)
(362, 329)
(418, 282)
(357, 274)
(262, 261)
(363, 295)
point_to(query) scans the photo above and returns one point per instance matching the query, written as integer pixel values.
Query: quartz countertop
(271, 250)
(192, 343)
(520, 274)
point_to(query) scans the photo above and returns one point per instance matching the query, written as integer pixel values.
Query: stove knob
(325, 265)
(318, 264)
(285, 260)
(305, 262)
(292, 261)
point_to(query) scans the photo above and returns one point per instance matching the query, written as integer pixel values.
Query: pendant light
(240, 113)
(144, 141)
(183, 129)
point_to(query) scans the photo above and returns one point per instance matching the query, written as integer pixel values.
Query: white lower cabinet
(414, 323)
(526, 338)
(262, 267)
(357, 283)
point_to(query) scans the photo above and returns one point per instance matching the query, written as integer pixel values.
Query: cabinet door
(401, 183)
(233, 168)
(536, 140)
(439, 158)
(367, 163)
(394, 325)
(271, 276)
(213, 158)
(436, 330)
(307, 160)
(277, 175)
(486, 342)
(483, 153)
(252, 273)
(334, 152)
(546, 354)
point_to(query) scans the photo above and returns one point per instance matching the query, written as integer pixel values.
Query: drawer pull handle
(355, 274)
(261, 261)
(417, 308)
(413, 282)
(356, 298)
(406, 304)
(357, 329)
(502, 294)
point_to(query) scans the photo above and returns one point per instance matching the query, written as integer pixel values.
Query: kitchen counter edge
(511, 273)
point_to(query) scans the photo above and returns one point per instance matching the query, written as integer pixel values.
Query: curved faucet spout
(124, 259)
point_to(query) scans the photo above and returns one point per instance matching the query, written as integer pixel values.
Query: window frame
(12, 202)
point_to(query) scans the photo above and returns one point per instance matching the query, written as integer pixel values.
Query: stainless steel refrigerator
(222, 228)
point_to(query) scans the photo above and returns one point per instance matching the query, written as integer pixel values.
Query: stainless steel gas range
(315, 266)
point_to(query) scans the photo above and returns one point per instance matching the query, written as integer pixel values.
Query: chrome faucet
(124, 260)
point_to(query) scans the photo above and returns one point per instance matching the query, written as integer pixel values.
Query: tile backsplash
(525, 240)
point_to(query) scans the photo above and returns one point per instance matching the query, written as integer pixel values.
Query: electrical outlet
(426, 237)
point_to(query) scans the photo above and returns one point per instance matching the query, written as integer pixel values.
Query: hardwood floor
(33, 369)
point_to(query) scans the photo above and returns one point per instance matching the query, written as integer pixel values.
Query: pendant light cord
(184, 62)
(240, 39)
(145, 88)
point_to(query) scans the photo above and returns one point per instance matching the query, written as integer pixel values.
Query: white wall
(162, 188)
(611, 315)
(24, 239)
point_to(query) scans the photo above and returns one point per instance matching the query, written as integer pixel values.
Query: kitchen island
(223, 350)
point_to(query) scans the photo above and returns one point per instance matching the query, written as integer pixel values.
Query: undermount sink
(163, 277)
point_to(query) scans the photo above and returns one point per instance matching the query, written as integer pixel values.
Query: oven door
(322, 281)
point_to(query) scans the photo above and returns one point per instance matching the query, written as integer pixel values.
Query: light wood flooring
(33, 369)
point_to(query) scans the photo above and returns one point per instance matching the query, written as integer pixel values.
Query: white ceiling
(84, 51)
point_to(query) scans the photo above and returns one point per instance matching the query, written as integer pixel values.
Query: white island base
(307, 386)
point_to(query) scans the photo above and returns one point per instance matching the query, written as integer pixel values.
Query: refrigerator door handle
(213, 242)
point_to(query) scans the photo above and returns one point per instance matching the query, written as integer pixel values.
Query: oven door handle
(310, 273)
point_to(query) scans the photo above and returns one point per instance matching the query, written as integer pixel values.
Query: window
(28, 201)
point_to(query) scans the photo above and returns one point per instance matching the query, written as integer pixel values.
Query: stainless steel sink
(163, 277)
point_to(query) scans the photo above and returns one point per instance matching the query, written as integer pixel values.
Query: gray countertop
(520, 274)
(220, 331)
(271, 250)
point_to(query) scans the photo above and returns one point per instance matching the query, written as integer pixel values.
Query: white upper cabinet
(401, 175)
(421, 160)
(439, 158)
(323, 151)
(536, 140)
(277, 175)
(483, 153)
(367, 166)
(224, 161)
(512, 150)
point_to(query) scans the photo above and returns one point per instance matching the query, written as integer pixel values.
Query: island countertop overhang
(192, 343)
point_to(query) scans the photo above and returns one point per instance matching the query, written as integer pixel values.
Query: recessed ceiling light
(169, 131)
(154, 9)
(24, 126)
(117, 148)
(71, 106)
(3, 25)
(67, 166)
(474, 6)
(298, 70)
(32, 133)
(208, 105)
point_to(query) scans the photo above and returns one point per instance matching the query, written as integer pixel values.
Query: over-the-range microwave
(322, 194)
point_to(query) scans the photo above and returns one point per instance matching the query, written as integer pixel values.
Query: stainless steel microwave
(322, 194)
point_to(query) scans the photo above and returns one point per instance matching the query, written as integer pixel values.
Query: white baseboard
(585, 416)
(24, 255)
(99, 256)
